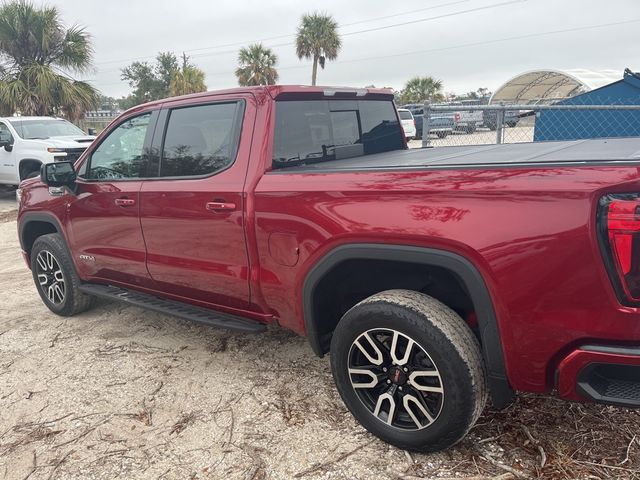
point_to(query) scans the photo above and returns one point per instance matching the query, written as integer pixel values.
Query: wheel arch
(34, 225)
(465, 271)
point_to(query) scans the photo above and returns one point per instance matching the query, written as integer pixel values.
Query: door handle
(125, 202)
(220, 206)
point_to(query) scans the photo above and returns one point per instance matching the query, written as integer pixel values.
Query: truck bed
(596, 151)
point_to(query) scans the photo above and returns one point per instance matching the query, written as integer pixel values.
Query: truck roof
(16, 118)
(275, 91)
(562, 153)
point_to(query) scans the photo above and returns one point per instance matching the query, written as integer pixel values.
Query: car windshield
(42, 129)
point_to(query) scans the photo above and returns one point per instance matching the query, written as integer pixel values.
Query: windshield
(42, 129)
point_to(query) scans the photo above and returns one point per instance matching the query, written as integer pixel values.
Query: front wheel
(409, 369)
(442, 134)
(55, 277)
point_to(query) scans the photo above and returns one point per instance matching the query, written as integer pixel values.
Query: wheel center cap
(397, 376)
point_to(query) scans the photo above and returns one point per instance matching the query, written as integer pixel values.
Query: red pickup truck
(437, 278)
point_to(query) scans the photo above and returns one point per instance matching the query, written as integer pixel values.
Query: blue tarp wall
(578, 124)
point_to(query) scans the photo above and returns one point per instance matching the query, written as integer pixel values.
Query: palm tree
(188, 79)
(257, 66)
(318, 39)
(419, 89)
(38, 54)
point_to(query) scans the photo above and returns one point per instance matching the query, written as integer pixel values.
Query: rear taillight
(414, 122)
(619, 231)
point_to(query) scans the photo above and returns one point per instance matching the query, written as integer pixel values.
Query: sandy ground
(7, 200)
(119, 392)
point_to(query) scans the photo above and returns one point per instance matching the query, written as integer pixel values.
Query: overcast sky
(474, 43)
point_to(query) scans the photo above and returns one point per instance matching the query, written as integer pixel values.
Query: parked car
(466, 120)
(437, 278)
(408, 123)
(28, 142)
(440, 124)
(490, 118)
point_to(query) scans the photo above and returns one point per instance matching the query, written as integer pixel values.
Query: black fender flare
(501, 392)
(29, 217)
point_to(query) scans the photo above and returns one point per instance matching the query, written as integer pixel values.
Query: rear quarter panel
(529, 231)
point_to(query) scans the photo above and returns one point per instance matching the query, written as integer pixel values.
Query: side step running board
(178, 309)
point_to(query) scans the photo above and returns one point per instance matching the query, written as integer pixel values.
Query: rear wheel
(55, 277)
(409, 369)
(442, 134)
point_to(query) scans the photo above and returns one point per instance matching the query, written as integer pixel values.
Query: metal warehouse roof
(548, 86)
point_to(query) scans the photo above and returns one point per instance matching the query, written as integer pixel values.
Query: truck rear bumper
(602, 374)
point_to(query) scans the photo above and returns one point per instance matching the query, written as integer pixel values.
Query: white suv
(28, 142)
(408, 123)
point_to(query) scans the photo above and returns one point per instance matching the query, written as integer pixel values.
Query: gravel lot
(119, 392)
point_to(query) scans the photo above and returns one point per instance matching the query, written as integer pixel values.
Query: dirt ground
(119, 392)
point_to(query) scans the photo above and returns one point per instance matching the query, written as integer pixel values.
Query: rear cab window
(312, 131)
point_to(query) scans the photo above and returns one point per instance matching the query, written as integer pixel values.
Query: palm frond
(257, 66)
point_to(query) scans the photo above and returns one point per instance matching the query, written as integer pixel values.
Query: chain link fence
(453, 125)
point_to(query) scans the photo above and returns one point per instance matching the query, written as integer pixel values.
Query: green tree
(162, 79)
(38, 54)
(318, 39)
(187, 79)
(256, 66)
(420, 89)
(151, 82)
(166, 66)
(143, 81)
(484, 93)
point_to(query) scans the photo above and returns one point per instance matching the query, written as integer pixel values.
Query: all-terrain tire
(448, 342)
(72, 300)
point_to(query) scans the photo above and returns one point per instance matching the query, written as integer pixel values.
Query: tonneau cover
(602, 150)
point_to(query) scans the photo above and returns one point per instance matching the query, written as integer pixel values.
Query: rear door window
(201, 140)
(310, 131)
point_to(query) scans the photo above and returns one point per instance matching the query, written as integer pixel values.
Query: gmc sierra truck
(437, 278)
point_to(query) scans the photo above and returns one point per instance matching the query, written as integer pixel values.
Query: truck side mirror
(8, 146)
(58, 174)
